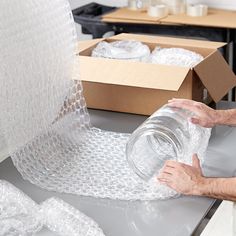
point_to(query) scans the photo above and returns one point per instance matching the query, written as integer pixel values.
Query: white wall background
(224, 4)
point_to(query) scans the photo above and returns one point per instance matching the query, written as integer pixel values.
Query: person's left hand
(183, 178)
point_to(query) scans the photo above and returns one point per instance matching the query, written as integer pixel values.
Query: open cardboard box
(141, 88)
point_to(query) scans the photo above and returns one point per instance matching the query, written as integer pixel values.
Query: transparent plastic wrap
(44, 118)
(65, 220)
(123, 50)
(175, 57)
(20, 215)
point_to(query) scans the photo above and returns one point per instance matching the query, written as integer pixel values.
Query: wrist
(220, 117)
(202, 187)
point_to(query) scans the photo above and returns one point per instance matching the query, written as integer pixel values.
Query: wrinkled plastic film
(20, 215)
(123, 50)
(137, 51)
(43, 112)
(175, 57)
(65, 220)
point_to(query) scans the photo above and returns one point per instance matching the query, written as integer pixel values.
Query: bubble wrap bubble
(125, 50)
(175, 57)
(44, 119)
(20, 215)
(65, 220)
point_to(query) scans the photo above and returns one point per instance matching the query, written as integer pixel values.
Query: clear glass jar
(166, 135)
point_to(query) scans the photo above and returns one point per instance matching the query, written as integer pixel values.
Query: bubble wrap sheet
(19, 215)
(124, 49)
(44, 119)
(175, 57)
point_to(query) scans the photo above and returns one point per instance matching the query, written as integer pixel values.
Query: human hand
(184, 179)
(204, 115)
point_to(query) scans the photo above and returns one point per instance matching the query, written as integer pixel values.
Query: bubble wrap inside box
(44, 119)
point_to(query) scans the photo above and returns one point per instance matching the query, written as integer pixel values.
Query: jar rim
(143, 132)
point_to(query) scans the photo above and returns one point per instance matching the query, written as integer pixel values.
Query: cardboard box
(141, 88)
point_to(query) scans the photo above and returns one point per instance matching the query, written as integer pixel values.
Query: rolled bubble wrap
(44, 119)
(124, 50)
(20, 215)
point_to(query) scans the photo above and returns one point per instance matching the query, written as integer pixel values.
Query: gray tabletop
(177, 217)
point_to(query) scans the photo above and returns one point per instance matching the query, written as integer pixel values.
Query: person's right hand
(204, 115)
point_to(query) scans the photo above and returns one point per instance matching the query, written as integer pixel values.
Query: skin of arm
(189, 180)
(204, 115)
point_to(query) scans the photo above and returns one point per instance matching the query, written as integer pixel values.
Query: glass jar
(166, 135)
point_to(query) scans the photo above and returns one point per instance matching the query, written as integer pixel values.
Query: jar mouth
(155, 138)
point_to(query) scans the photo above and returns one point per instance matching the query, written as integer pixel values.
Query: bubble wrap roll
(44, 119)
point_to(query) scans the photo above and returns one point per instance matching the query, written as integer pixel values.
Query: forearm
(226, 117)
(220, 188)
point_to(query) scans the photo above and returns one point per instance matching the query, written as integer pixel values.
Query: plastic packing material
(65, 220)
(20, 215)
(124, 50)
(197, 10)
(44, 118)
(175, 57)
(159, 10)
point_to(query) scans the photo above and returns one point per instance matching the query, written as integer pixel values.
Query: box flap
(134, 74)
(216, 75)
(82, 45)
(170, 41)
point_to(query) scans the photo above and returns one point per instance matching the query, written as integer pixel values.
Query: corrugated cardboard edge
(216, 75)
(82, 45)
(170, 40)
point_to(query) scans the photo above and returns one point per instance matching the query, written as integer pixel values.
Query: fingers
(182, 101)
(195, 120)
(172, 164)
(185, 105)
(166, 173)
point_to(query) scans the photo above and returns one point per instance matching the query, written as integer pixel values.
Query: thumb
(196, 162)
